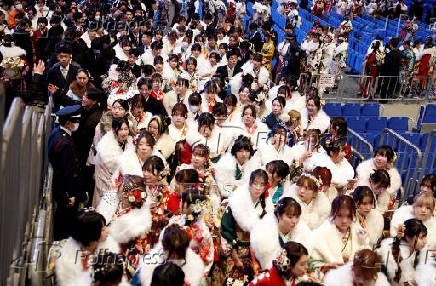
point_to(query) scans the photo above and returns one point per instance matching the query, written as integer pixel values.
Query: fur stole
(216, 143)
(12, 52)
(225, 171)
(245, 212)
(321, 121)
(135, 223)
(327, 243)
(128, 163)
(193, 267)
(264, 239)
(68, 265)
(341, 172)
(426, 274)
(78, 90)
(365, 169)
(266, 153)
(343, 276)
(166, 145)
(314, 213)
(109, 150)
(374, 225)
(108, 205)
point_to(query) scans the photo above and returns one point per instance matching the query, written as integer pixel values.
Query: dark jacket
(84, 135)
(223, 73)
(155, 106)
(55, 77)
(256, 40)
(291, 64)
(392, 63)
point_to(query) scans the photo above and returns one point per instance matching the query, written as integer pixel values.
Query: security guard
(66, 178)
(291, 64)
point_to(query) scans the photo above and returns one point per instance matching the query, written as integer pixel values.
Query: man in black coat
(232, 68)
(61, 75)
(255, 38)
(245, 52)
(66, 175)
(291, 64)
(152, 104)
(391, 69)
(91, 112)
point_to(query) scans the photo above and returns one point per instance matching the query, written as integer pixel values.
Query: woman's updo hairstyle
(191, 197)
(124, 104)
(168, 274)
(281, 100)
(381, 178)
(294, 251)
(117, 123)
(386, 151)
(108, 268)
(88, 226)
(367, 264)
(175, 240)
(334, 146)
(309, 180)
(343, 202)
(324, 174)
(148, 138)
(242, 143)
(162, 123)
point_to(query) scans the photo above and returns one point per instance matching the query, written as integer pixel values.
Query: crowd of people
(182, 156)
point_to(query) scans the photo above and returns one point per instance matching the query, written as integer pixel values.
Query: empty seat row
(352, 109)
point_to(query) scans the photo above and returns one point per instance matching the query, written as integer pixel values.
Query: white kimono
(258, 135)
(264, 239)
(217, 143)
(225, 170)
(106, 162)
(343, 276)
(327, 242)
(321, 121)
(313, 213)
(267, 153)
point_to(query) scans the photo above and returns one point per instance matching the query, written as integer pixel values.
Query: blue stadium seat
(399, 124)
(429, 114)
(414, 138)
(375, 125)
(370, 109)
(356, 123)
(332, 109)
(351, 109)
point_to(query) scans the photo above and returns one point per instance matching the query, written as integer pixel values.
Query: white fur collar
(69, 266)
(193, 267)
(244, 210)
(343, 276)
(128, 163)
(136, 222)
(110, 151)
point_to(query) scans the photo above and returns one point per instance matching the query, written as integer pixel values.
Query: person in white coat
(313, 117)
(315, 206)
(409, 261)
(111, 146)
(422, 209)
(278, 228)
(339, 237)
(383, 159)
(275, 148)
(369, 218)
(235, 167)
(364, 270)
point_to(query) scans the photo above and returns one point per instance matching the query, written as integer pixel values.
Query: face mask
(75, 127)
(194, 108)
(18, 6)
(97, 18)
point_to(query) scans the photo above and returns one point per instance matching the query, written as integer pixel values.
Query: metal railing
(408, 160)
(23, 165)
(360, 146)
(428, 154)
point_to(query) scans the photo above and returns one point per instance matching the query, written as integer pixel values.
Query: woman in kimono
(137, 109)
(277, 172)
(253, 127)
(158, 127)
(235, 167)
(383, 160)
(109, 150)
(309, 152)
(422, 209)
(409, 262)
(246, 207)
(339, 237)
(275, 148)
(178, 127)
(278, 228)
(369, 218)
(274, 117)
(171, 70)
(364, 270)
(175, 248)
(313, 117)
(315, 206)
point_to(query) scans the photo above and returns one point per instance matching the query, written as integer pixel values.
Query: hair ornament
(282, 263)
(312, 177)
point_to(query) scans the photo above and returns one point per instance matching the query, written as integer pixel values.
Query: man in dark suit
(255, 38)
(232, 68)
(61, 75)
(245, 52)
(391, 70)
(66, 177)
(152, 104)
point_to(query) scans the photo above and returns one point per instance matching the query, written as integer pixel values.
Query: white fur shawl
(193, 268)
(108, 205)
(321, 121)
(343, 276)
(327, 244)
(128, 226)
(264, 239)
(244, 211)
(109, 151)
(314, 213)
(217, 143)
(374, 225)
(225, 173)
